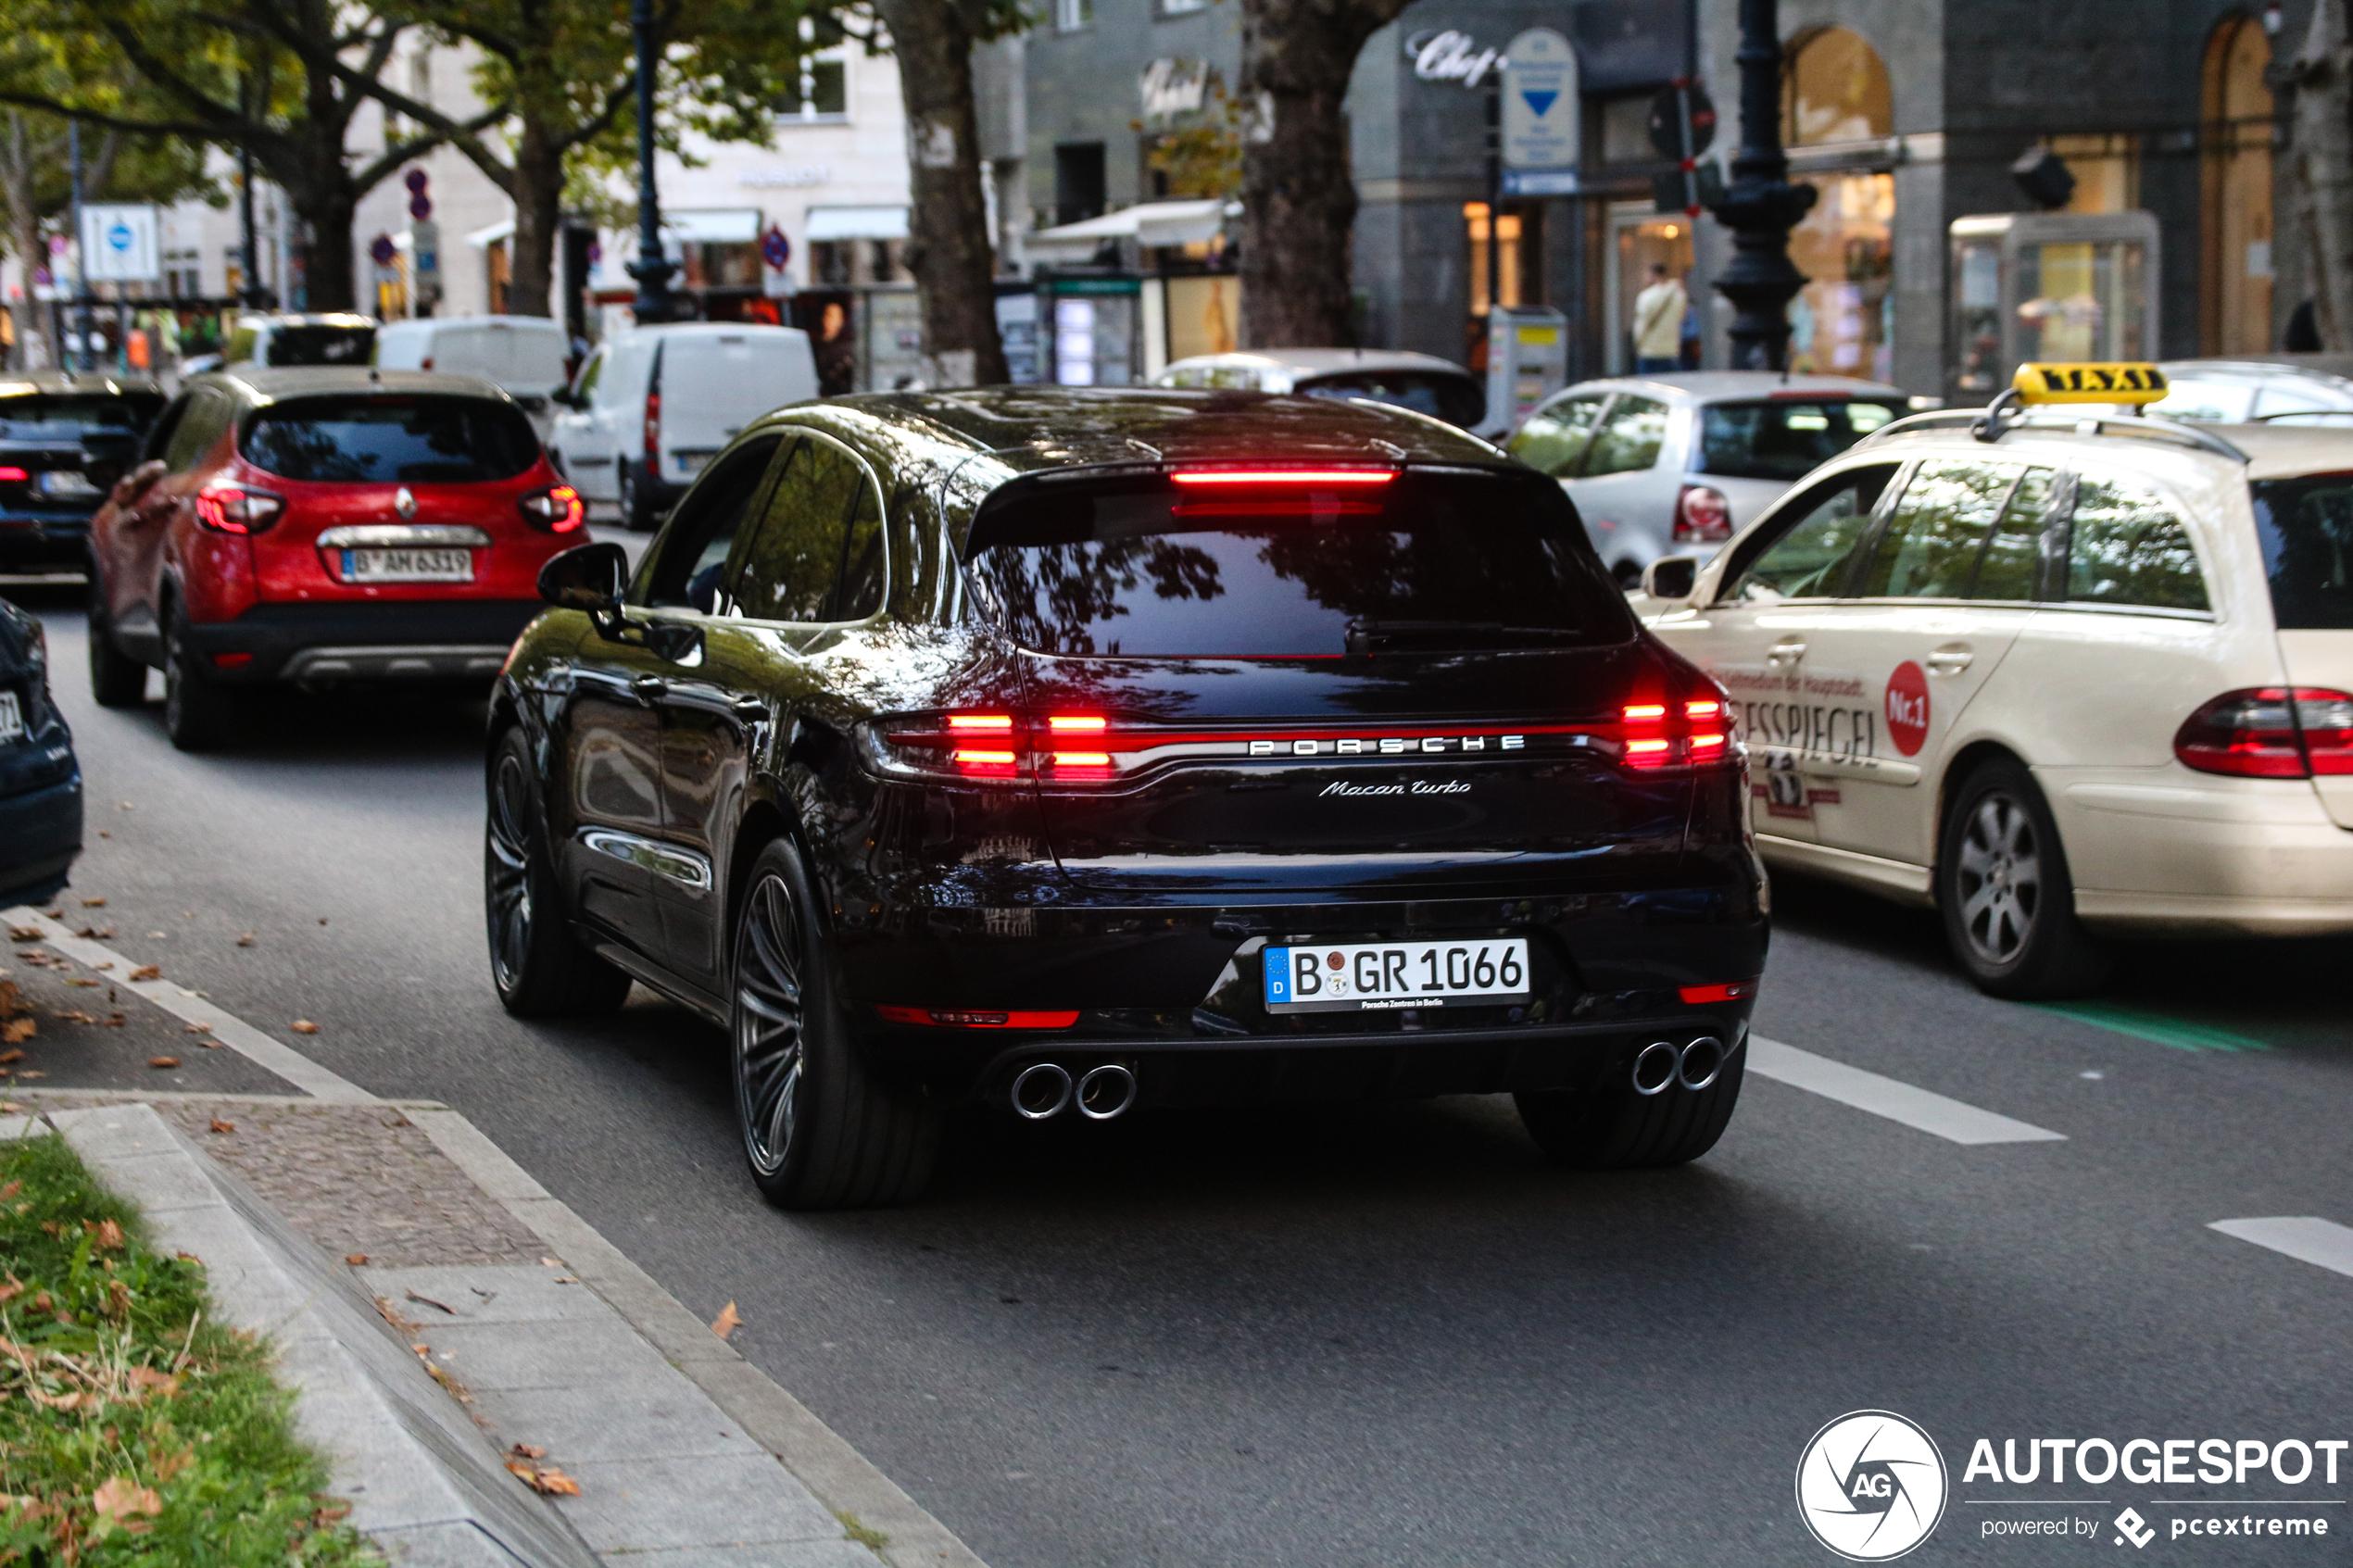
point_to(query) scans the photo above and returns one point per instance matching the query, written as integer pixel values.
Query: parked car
(1066, 751)
(2066, 679)
(331, 337)
(1679, 462)
(64, 439)
(2238, 391)
(653, 405)
(1422, 383)
(523, 355)
(40, 781)
(320, 526)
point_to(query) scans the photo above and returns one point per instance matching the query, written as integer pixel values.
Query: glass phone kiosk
(2072, 286)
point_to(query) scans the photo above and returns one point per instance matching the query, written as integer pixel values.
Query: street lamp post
(652, 269)
(1761, 206)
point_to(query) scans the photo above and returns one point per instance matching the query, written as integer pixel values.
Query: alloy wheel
(508, 872)
(2001, 878)
(769, 1018)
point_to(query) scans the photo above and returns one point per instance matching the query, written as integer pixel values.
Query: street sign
(415, 181)
(1667, 115)
(421, 206)
(1540, 105)
(381, 250)
(424, 247)
(774, 249)
(118, 244)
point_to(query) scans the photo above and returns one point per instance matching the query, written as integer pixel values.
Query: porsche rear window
(2306, 529)
(1427, 562)
(384, 439)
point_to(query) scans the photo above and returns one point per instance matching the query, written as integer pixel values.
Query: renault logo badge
(404, 503)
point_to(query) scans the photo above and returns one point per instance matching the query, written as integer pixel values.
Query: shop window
(1836, 92)
(502, 273)
(1640, 239)
(1521, 273)
(712, 264)
(820, 93)
(1626, 130)
(1841, 321)
(830, 262)
(2235, 293)
(1072, 15)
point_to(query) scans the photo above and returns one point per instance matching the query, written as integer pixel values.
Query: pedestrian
(1658, 323)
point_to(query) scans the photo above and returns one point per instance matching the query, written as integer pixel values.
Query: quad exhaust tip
(1045, 1089)
(1663, 1063)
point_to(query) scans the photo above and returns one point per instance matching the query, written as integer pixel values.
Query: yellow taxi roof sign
(2122, 383)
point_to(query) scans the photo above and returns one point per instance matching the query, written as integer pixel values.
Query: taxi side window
(1816, 536)
(2125, 547)
(1941, 524)
(818, 554)
(690, 569)
(1629, 439)
(1554, 437)
(2005, 571)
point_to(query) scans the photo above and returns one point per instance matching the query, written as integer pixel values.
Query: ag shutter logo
(1871, 1486)
(1906, 705)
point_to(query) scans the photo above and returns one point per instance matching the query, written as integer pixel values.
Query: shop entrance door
(1640, 235)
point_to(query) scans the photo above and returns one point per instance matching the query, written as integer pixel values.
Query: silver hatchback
(1678, 463)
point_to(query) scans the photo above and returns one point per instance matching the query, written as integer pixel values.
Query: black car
(1069, 751)
(40, 781)
(65, 438)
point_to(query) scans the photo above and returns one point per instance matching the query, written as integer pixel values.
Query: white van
(522, 355)
(654, 404)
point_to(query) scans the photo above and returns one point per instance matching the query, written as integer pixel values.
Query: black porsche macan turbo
(1070, 751)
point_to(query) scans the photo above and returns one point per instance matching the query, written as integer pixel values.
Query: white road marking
(182, 1003)
(1885, 1097)
(2306, 1239)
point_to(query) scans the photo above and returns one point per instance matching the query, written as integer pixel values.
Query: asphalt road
(1359, 1335)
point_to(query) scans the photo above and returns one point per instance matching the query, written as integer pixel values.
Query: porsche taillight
(2270, 733)
(1693, 731)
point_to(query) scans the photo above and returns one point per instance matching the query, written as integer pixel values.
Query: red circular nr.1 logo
(1907, 707)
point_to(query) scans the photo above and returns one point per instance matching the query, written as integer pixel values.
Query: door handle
(1950, 659)
(648, 688)
(1789, 650)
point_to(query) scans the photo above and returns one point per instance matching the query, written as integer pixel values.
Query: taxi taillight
(2270, 733)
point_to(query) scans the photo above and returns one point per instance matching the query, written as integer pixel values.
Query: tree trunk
(326, 211)
(538, 196)
(34, 351)
(949, 248)
(1299, 197)
(2322, 162)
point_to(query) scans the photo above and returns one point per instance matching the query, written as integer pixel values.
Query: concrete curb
(425, 1483)
(840, 1477)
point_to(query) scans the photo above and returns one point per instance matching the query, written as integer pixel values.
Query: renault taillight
(2270, 733)
(555, 510)
(226, 508)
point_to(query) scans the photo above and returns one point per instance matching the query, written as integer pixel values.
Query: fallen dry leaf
(163, 1062)
(17, 1030)
(429, 1301)
(7, 1057)
(547, 1480)
(354, 1259)
(303, 1026)
(96, 933)
(123, 1499)
(161, 1382)
(10, 1190)
(526, 1450)
(197, 1029)
(73, 1015)
(78, 980)
(220, 1126)
(26, 932)
(25, 1072)
(106, 1234)
(147, 972)
(246, 940)
(727, 1322)
(94, 903)
(117, 1020)
(552, 1263)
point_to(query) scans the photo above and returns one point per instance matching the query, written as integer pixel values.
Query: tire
(1627, 575)
(636, 512)
(2002, 885)
(1617, 1129)
(117, 680)
(540, 969)
(199, 714)
(819, 1130)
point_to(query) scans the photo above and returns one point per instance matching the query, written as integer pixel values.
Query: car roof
(2156, 445)
(306, 318)
(706, 329)
(2265, 370)
(89, 383)
(512, 323)
(1040, 427)
(1711, 386)
(2285, 451)
(1322, 361)
(259, 384)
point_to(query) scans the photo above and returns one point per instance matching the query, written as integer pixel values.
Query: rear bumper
(2186, 857)
(416, 639)
(40, 835)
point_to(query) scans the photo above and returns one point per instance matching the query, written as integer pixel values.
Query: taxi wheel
(1614, 1128)
(819, 1130)
(117, 680)
(539, 967)
(197, 714)
(2004, 889)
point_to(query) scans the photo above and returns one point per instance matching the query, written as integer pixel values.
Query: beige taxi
(2066, 674)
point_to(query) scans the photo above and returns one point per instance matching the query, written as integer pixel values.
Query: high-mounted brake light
(225, 508)
(1283, 476)
(555, 510)
(2270, 733)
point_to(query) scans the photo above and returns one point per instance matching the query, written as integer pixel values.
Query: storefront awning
(857, 223)
(720, 226)
(483, 238)
(1148, 223)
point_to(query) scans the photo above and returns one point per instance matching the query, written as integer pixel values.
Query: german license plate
(11, 719)
(691, 462)
(1358, 975)
(407, 566)
(67, 482)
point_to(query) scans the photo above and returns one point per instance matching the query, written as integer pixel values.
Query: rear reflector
(1284, 476)
(232, 660)
(957, 1018)
(2270, 733)
(1701, 996)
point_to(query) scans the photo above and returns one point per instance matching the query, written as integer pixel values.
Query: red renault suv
(317, 526)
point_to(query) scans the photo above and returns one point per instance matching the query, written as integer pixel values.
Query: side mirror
(135, 484)
(587, 577)
(1669, 577)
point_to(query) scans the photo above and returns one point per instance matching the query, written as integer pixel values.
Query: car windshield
(428, 440)
(321, 346)
(2306, 528)
(1288, 570)
(130, 411)
(1784, 438)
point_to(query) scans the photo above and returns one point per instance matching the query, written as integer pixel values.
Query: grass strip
(133, 1427)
